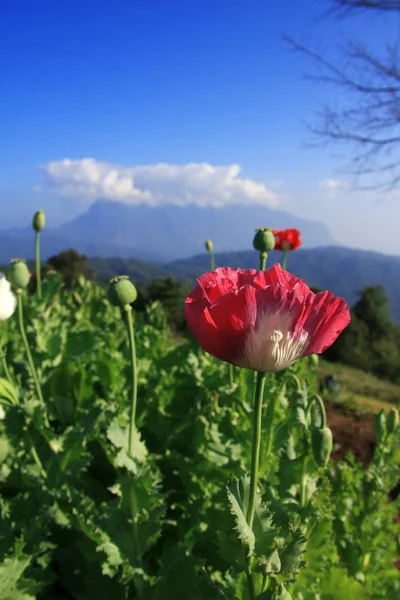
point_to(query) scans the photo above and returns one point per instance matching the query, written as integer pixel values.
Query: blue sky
(141, 82)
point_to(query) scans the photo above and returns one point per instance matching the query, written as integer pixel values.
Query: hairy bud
(18, 274)
(392, 421)
(39, 220)
(322, 443)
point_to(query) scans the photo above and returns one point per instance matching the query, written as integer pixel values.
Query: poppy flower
(8, 301)
(262, 320)
(286, 239)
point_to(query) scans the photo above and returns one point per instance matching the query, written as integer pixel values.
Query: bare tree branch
(367, 120)
(381, 5)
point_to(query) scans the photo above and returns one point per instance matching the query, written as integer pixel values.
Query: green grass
(361, 392)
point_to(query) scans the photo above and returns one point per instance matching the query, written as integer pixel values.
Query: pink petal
(328, 316)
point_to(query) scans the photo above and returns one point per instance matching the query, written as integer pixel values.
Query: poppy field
(138, 465)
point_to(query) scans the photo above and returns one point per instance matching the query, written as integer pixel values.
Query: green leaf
(237, 507)
(292, 553)
(120, 439)
(8, 391)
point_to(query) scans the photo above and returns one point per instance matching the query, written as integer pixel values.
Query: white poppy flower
(8, 301)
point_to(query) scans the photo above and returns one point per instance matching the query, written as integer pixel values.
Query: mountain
(173, 232)
(344, 271)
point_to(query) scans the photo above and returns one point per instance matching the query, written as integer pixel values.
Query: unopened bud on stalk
(314, 360)
(283, 594)
(322, 443)
(264, 240)
(121, 291)
(392, 421)
(39, 220)
(209, 246)
(18, 274)
(380, 426)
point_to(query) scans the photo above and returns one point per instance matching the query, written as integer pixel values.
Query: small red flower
(286, 239)
(262, 320)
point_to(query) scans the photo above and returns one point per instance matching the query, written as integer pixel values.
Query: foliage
(81, 518)
(71, 265)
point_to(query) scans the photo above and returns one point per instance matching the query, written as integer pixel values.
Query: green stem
(38, 462)
(320, 402)
(284, 260)
(37, 256)
(263, 260)
(212, 261)
(6, 370)
(26, 344)
(132, 426)
(255, 460)
(231, 375)
(255, 453)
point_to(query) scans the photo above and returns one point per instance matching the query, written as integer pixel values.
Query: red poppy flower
(262, 320)
(286, 239)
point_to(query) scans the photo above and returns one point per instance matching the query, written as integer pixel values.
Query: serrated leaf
(292, 553)
(8, 391)
(237, 507)
(120, 439)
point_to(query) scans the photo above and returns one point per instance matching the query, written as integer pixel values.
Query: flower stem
(212, 261)
(255, 453)
(26, 344)
(284, 259)
(132, 426)
(263, 260)
(6, 370)
(37, 256)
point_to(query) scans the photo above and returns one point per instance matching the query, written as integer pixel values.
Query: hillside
(344, 271)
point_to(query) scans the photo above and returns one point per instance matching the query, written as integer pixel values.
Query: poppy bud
(380, 426)
(314, 360)
(18, 274)
(392, 421)
(39, 220)
(264, 240)
(283, 594)
(121, 291)
(209, 246)
(322, 444)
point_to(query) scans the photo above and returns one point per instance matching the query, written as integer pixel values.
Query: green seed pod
(121, 291)
(314, 360)
(209, 246)
(380, 426)
(18, 274)
(322, 443)
(264, 240)
(282, 593)
(392, 422)
(39, 220)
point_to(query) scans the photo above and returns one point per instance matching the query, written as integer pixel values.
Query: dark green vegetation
(83, 519)
(344, 271)
(371, 342)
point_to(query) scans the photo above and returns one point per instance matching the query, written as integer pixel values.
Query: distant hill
(344, 271)
(158, 234)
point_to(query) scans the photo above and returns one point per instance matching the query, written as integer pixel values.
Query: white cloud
(332, 186)
(193, 183)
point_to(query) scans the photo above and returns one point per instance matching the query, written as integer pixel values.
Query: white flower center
(268, 348)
